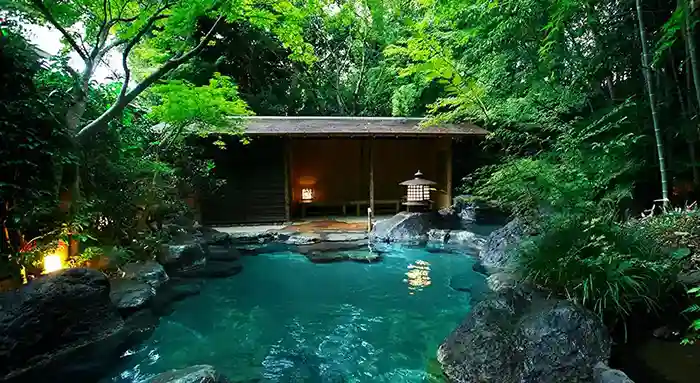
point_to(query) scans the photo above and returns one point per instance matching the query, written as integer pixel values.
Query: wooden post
(371, 175)
(448, 184)
(287, 180)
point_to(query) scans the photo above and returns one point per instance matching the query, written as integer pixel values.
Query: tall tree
(94, 28)
(652, 103)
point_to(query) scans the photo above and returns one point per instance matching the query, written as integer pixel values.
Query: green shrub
(610, 267)
(694, 327)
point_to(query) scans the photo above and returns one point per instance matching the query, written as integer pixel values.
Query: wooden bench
(357, 204)
(305, 205)
(393, 202)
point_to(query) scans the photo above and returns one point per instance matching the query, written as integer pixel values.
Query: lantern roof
(417, 180)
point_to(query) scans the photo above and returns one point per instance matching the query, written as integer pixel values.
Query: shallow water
(285, 319)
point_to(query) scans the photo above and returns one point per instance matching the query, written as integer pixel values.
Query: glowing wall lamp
(307, 184)
(307, 194)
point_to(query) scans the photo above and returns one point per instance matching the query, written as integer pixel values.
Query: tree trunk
(652, 104)
(692, 52)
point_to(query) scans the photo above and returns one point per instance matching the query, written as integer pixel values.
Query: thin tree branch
(126, 97)
(110, 46)
(132, 43)
(39, 4)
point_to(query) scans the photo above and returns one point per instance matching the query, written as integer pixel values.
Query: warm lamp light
(52, 262)
(307, 194)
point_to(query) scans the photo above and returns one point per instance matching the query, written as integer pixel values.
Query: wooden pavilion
(300, 166)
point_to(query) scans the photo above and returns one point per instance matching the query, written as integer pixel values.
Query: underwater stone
(194, 374)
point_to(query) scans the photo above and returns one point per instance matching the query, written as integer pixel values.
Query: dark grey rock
(668, 332)
(477, 212)
(466, 239)
(358, 255)
(518, 336)
(412, 227)
(184, 255)
(496, 253)
(223, 253)
(140, 326)
(150, 272)
(254, 237)
(472, 283)
(502, 281)
(213, 237)
(438, 235)
(194, 374)
(323, 247)
(130, 295)
(345, 237)
(61, 327)
(604, 374)
(213, 269)
(298, 239)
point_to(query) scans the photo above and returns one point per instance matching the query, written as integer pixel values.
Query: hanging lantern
(418, 190)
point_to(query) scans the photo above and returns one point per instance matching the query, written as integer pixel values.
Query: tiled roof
(353, 126)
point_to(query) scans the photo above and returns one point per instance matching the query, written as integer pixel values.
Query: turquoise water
(285, 319)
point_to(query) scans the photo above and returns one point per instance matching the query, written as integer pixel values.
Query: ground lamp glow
(418, 191)
(54, 261)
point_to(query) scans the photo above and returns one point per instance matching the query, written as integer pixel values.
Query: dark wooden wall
(255, 184)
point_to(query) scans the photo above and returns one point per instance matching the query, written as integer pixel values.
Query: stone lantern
(417, 191)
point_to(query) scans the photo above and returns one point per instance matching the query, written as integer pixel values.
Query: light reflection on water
(283, 320)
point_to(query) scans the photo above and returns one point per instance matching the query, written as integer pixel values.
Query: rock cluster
(519, 336)
(516, 334)
(74, 325)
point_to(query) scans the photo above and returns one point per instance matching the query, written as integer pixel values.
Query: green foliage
(188, 109)
(676, 230)
(611, 268)
(93, 253)
(694, 328)
(589, 165)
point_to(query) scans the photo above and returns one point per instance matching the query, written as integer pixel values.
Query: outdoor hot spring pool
(285, 319)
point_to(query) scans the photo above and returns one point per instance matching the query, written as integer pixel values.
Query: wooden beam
(371, 175)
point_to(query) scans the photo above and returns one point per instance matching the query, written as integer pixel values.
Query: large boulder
(496, 253)
(357, 255)
(130, 295)
(194, 374)
(183, 255)
(518, 336)
(223, 253)
(214, 237)
(61, 327)
(149, 272)
(213, 269)
(457, 238)
(471, 211)
(411, 227)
